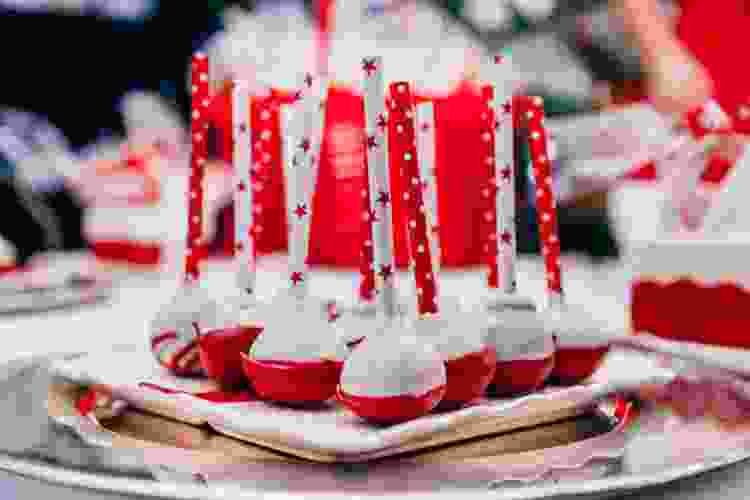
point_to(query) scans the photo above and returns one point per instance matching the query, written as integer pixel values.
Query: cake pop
(581, 343)
(392, 377)
(525, 352)
(459, 338)
(297, 358)
(173, 330)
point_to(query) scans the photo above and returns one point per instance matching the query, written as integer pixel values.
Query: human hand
(677, 82)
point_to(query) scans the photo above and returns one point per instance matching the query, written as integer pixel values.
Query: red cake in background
(691, 290)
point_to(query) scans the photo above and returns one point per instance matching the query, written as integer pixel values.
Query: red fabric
(688, 311)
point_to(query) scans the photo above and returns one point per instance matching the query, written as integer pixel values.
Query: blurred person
(694, 59)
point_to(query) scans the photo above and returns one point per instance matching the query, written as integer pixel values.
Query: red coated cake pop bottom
(573, 365)
(521, 376)
(293, 382)
(221, 353)
(390, 410)
(468, 377)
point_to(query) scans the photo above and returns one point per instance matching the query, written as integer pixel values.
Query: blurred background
(94, 110)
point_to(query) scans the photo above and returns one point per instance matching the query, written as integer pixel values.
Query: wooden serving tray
(326, 434)
(133, 428)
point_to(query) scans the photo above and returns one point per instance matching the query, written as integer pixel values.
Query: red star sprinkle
(308, 80)
(384, 198)
(507, 108)
(300, 211)
(369, 66)
(243, 128)
(296, 278)
(297, 96)
(506, 238)
(385, 272)
(304, 145)
(425, 127)
(241, 186)
(382, 123)
(372, 216)
(499, 59)
(371, 142)
(505, 173)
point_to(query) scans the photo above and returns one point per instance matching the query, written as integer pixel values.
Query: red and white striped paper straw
(401, 119)
(242, 158)
(301, 180)
(549, 239)
(504, 180)
(378, 185)
(426, 157)
(198, 157)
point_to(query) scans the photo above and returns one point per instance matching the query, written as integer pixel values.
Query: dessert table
(38, 457)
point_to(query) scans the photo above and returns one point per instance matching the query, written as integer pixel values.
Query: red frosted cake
(691, 290)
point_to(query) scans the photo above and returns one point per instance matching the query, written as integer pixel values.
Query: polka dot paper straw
(426, 155)
(488, 187)
(378, 184)
(545, 198)
(244, 245)
(401, 118)
(199, 154)
(302, 179)
(504, 238)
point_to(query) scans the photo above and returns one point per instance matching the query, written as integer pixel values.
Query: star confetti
(297, 96)
(499, 59)
(304, 145)
(372, 216)
(384, 198)
(241, 186)
(369, 66)
(371, 142)
(385, 272)
(243, 128)
(505, 173)
(296, 278)
(381, 123)
(506, 238)
(300, 211)
(425, 127)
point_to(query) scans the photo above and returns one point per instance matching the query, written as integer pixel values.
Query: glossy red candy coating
(293, 382)
(521, 376)
(221, 350)
(388, 410)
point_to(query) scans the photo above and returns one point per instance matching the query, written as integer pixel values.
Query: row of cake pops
(292, 352)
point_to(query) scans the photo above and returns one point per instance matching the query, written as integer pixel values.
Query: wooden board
(137, 429)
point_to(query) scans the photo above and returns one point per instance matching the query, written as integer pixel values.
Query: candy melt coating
(519, 334)
(574, 327)
(297, 330)
(454, 334)
(397, 363)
